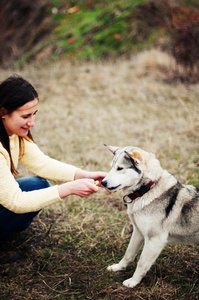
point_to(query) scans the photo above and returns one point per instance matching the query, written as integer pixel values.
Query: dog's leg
(133, 248)
(152, 249)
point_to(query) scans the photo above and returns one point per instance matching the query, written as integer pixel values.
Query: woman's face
(22, 119)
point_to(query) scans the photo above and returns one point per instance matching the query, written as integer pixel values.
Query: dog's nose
(104, 183)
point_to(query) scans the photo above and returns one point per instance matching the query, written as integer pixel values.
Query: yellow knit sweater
(40, 164)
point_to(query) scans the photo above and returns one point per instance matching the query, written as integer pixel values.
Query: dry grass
(82, 106)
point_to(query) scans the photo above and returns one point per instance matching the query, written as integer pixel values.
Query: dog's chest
(145, 220)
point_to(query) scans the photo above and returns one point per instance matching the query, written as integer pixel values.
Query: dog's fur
(167, 213)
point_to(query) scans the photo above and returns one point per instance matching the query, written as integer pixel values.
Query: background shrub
(98, 30)
(184, 32)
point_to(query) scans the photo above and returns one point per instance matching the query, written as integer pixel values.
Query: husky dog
(160, 208)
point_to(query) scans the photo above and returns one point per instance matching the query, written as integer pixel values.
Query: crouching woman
(22, 199)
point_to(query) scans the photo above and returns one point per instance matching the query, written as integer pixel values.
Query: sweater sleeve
(44, 166)
(12, 198)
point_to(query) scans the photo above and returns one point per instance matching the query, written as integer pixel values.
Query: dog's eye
(119, 169)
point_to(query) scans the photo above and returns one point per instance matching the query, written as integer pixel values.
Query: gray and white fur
(167, 213)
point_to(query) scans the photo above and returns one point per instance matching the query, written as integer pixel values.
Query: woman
(22, 199)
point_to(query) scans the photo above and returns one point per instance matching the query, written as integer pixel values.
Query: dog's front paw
(115, 268)
(130, 283)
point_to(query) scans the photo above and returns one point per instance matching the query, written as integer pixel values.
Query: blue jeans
(10, 222)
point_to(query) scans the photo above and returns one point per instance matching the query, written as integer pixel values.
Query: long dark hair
(14, 93)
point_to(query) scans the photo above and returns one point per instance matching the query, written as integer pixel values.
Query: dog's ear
(135, 156)
(111, 148)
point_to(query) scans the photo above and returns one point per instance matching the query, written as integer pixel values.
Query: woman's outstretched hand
(84, 184)
(83, 187)
(80, 187)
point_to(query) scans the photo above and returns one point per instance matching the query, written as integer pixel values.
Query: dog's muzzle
(105, 184)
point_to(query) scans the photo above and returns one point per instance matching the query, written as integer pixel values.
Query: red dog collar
(139, 193)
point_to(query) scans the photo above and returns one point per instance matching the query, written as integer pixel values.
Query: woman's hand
(79, 187)
(99, 176)
(83, 185)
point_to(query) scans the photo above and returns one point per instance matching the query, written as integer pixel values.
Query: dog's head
(131, 167)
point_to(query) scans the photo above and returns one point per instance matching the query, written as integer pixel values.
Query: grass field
(64, 254)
